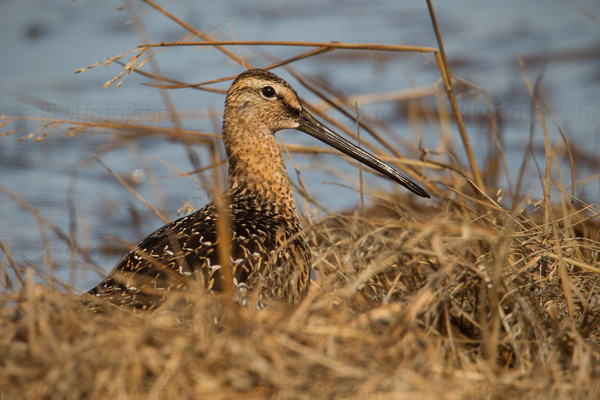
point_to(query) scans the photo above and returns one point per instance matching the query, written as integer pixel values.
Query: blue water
(44, 42)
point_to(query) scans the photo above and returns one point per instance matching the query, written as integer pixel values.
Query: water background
(43, 42)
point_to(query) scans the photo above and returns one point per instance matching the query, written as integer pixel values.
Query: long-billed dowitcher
(267, 249)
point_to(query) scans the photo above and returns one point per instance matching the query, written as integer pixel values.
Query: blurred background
(42, 44)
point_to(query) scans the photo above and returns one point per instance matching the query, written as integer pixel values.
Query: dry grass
(470, 296)
(400, 308)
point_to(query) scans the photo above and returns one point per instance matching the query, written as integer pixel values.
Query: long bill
(317, 130)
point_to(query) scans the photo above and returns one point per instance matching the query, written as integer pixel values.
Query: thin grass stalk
(447, 80)
(325, 45)
(224, 232)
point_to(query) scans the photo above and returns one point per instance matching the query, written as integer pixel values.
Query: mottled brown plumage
(268, 249)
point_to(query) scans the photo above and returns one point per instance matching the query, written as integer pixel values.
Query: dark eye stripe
(292, 111)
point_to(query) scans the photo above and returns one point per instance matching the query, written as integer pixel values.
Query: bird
(267, 249)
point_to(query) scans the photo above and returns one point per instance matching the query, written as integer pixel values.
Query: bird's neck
(256, 163)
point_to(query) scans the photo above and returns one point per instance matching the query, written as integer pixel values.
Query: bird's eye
(268, 92)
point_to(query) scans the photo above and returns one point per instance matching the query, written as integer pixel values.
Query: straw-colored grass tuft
(428, 306)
